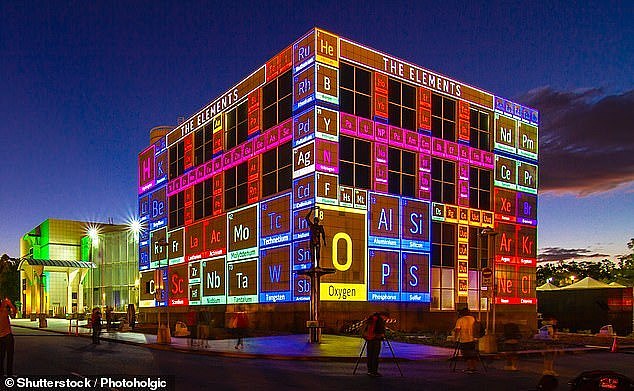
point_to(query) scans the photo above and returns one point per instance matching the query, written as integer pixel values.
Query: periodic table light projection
(378, 243)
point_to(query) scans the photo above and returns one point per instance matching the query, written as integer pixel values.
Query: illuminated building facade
(407, 167)
(63, 270)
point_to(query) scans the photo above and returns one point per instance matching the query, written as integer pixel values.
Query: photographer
(7, 345)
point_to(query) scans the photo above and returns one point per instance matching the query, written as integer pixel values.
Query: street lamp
(488, 342)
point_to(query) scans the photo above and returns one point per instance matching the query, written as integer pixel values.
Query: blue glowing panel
(384, 221)
(275, 274)
(275, 221)
(383, 275)
(415, 277)
(415, 226)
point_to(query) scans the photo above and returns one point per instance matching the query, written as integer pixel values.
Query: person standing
(96, 325)
(242, 325)
(7, 342)
(316, 230)
(373, 333)
(463, 332)
(108, 318)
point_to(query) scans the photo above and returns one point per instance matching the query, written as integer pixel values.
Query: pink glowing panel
(488, 160)
(438, 147)
(463, 153)
(396, 136)
(424, 162)
(381, 133)
(451, 150)
(411, 140)
(476, 156)
(259, 145)
(380, 153)
(348, 124)
(424, 143)
(463, 171)
(286, 131)
(366, 128)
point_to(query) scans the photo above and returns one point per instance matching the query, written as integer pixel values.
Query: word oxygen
(341, 293)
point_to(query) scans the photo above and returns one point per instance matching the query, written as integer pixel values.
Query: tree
(9, 278)
(604, 270)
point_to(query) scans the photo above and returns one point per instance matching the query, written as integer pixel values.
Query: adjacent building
(420, 180)
(71, 266)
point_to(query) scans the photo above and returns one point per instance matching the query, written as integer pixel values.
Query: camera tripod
(456, 354)
(385, 340)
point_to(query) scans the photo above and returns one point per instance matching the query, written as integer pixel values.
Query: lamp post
(488, 343)
(163, 333)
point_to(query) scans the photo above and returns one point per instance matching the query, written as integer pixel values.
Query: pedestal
(488, 344)
(163, 336)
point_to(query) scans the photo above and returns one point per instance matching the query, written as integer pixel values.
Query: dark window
(203, 144)
(177, 208)
(236, 179)
(236, 126)
(443, 247)
(354, 162)
(478, 248)
(479, 188)
(277, 101)
(479, 133)
(402, 105)
(277, 167)
(443, 183)
(203, 199)
(355, 90)
(401, 172)
(177, 159)
(443, 117)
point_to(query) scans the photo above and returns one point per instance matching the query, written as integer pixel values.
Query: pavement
(283, 347)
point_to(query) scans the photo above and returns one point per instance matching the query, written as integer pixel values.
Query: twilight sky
(82, 83)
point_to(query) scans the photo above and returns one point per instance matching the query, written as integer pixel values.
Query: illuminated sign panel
(384, 221)
(505, 134)
(144, 257)
(194, 241)
(505, 172)
(506, 243)
(304, 52)
(304, 159)
(383, 275)
(526, 244)
(415, 277)
(327, 84)
(160, 170)
(302, 260)
(158, 209)
(158, 252)
(517, 111)
(195, 289)
(327, 48)
(527, 141)
(303, 88)
(327, 157)
(175, 240)
(178, 286)
(215, 236)
(275, 221)
(304, 127)
(327, 124)
(304, 192)
(243, 233)
(243, 281)
(346, 252)
(415, 225)
(505, 204)
(147, 290)
(146, 170)
(527, 177)
(275, 274)
(326, 189)
(213, 281)
(526, 208)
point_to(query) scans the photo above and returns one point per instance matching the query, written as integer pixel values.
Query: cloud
(586, 140)
(551, 254)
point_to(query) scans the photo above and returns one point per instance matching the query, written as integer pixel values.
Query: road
(45, 353)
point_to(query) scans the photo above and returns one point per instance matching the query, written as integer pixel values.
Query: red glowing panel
(505, 241)
(505, 203)
(215, 236)
(424, 119)
(253, 190)
(424, 98)
(194, 241)
(464, 131)
(380, 105)
(178, 285)
(526, 244)
(188, 159)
